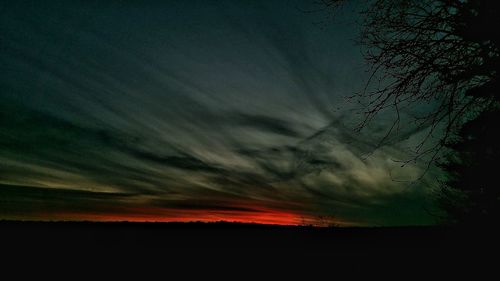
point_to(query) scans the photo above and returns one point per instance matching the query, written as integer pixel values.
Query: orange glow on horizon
(176, 215)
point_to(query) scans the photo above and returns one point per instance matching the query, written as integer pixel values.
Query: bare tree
(440, 53)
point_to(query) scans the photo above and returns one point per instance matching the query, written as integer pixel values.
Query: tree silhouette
(444, 54)
(434, 53)
(470, 195)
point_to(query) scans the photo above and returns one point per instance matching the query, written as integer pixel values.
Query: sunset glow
(169, 215)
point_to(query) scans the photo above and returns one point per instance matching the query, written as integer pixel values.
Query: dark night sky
(192, 110)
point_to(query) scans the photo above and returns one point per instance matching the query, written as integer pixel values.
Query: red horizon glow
(175, 215)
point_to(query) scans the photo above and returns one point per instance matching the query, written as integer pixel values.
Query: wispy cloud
(161, 112)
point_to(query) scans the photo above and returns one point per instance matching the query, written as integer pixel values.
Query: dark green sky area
(192, 110)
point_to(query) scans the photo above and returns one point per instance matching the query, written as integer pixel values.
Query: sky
(194, 111)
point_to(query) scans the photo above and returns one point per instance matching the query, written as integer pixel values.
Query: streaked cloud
(194, 109)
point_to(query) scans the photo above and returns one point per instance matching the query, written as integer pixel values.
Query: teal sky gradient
(177, 110)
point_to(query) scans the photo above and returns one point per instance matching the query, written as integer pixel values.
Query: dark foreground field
(229, 241)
